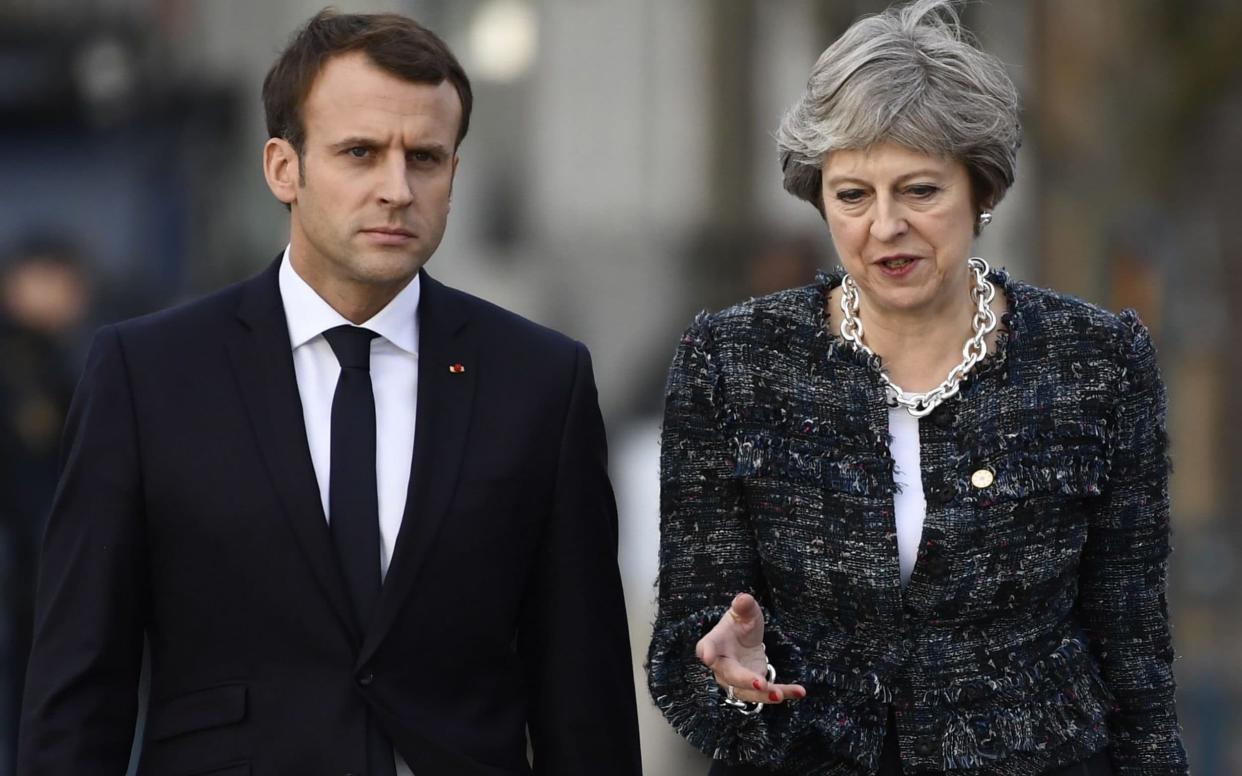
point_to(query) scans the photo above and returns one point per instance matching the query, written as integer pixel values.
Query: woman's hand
(733, 650)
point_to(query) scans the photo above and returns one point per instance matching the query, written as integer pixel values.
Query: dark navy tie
(353, 497)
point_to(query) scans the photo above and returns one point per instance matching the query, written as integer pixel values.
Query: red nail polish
(758, 685)
(800, 693)
(773, 696)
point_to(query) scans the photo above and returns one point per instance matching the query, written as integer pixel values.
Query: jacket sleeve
(81, 696)
(573, 638)
(707, 556)
(1123, 575)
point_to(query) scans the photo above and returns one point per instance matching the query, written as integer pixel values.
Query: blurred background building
(620, 174)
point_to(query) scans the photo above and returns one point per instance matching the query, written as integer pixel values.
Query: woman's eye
(850, 196)
(922, 191)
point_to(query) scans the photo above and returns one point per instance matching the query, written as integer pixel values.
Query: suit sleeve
(573, 638)
(707, 556)
(80, 700)
(1123, 577)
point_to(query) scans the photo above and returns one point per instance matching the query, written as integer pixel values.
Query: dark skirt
(890, 763)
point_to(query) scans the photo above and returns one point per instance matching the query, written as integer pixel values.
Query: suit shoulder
(1052, 303)
(190, 319)
(1053, 315)
(505, 326)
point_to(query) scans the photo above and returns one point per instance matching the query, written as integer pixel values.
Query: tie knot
(352, 346)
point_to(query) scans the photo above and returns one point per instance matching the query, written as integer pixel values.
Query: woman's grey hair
(911, 76)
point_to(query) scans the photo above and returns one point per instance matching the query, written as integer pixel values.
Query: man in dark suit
(238, 487)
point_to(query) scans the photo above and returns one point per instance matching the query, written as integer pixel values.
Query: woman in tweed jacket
(976, 590)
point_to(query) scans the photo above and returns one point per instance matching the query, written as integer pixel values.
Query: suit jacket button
(366, 679)
(924, 748)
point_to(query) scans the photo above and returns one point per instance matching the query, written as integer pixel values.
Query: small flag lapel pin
(456, 369)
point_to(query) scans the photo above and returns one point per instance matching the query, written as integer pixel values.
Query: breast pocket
(1066, 469)
(1025, 518)
(815, 506)
(772, 459)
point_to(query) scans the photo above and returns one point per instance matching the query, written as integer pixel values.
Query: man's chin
(386, 268)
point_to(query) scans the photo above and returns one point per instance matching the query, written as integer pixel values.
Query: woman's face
(902, 223)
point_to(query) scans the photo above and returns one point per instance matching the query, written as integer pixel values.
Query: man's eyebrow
(354, 141)
(431, 147)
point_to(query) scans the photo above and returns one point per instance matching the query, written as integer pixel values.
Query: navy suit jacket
(188, 513)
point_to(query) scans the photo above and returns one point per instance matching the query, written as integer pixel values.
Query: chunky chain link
(984, 322)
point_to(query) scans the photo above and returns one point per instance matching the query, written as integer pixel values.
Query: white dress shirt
(909, 505)
(394, 380)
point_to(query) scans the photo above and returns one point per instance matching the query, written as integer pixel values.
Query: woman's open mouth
(898, 266)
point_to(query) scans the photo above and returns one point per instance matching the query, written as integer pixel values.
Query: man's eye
(850, 196)
(359, 152)
(423, 157)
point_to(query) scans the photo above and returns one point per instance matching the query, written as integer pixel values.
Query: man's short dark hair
(394, 43)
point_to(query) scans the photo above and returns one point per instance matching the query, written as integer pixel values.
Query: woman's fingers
(773, 694)
(733, 650)
(747, 685)
(745, 608)
(705, 650)
(786, 692)
(730, 673)
(750, 687)
(720, 643)
(733, 634)
(745, 618)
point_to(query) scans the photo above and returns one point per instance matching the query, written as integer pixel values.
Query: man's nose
(396, 190)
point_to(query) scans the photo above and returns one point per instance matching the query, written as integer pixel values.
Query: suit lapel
(262, 359)
(447, 375)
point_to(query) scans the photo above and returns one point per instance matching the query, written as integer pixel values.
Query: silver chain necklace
(984, 322)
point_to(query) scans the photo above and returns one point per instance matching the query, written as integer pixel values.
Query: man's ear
(281, 169)
(453, 177)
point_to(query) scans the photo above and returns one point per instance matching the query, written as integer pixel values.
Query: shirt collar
(308, 315)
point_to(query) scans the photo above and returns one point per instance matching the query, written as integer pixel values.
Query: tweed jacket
(1033, 631)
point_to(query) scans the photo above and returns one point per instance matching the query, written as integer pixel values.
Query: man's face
(375, 178)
